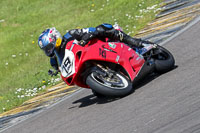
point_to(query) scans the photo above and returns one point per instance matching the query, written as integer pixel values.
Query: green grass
(23, 64)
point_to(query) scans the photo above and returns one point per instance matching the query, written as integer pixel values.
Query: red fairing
(97, 50)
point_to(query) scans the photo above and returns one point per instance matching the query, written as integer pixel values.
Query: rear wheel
(109, 83)
(164, 60)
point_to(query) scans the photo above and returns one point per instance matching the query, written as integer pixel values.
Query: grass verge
(23, 66)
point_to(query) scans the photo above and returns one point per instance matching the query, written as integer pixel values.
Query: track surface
(169, 103)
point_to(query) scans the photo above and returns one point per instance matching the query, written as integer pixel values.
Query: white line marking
(46, 108)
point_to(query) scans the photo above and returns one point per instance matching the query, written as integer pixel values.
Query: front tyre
(115, 85)
(97, 94)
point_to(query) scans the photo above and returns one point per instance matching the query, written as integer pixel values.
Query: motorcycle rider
(51, 41)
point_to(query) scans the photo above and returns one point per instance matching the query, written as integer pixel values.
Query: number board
(68, 64)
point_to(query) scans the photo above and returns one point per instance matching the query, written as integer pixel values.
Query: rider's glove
(52, 73)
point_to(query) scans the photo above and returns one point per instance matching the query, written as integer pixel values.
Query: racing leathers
(101, 32)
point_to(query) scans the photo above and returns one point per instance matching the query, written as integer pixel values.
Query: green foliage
(23, 64)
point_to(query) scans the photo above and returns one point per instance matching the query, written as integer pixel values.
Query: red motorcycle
(111, 68)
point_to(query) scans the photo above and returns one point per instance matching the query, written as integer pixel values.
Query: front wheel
(110, 84)
(164, 60)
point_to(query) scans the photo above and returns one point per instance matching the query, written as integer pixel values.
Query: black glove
(52, 73)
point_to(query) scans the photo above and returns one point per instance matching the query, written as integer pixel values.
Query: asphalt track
(168, 103)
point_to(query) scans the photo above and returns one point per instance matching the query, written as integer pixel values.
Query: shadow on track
(92, 99)
(150, 78)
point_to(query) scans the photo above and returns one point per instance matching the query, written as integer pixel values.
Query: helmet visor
(49, 49)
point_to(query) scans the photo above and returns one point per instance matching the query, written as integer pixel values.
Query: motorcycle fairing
(97, 50)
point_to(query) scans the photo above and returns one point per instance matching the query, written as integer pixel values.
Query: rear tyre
(164, 60)
(115, 85)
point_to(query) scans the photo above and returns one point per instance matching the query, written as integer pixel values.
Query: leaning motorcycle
(111, 68)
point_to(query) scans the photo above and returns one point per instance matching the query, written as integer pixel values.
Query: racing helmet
(49, 40)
